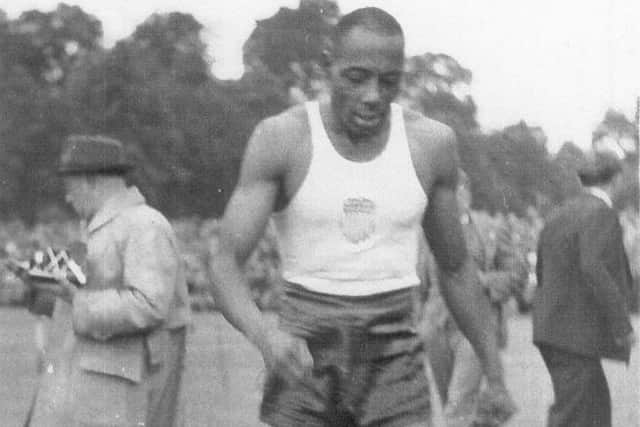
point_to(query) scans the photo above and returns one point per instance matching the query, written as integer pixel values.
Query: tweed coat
(117, 351)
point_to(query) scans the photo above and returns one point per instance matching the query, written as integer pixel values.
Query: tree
(46, 45)
(143, 91)
(186, 129)
(616, 133)
(289, 45)
(438, 86)
(37, 52)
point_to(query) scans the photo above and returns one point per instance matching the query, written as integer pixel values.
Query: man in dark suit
(580, 313)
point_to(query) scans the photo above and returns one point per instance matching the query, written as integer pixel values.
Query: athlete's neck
(353, 147)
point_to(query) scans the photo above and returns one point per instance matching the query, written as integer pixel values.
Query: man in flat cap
(580, 312)
(120, 356)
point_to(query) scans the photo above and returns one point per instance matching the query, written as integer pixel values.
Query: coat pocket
(120, 357)
(106, 400)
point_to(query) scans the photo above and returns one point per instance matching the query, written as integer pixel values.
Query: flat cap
(599, 168)
(93, 154)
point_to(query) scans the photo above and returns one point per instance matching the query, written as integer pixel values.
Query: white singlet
(352, 228)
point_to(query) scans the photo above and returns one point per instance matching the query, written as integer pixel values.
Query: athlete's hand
(286, 355)
(495, 406)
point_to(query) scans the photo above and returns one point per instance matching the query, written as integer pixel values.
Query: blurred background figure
(581, 308)
(455, 366)
(41, 311)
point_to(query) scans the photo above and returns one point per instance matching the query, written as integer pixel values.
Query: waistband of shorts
(389, 299)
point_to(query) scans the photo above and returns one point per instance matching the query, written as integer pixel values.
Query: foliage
(519, 157)
(187, 130)
(290, 44)
(616, 132)
(46, 45)
(509, 169)
(37, 52)
(438, 86)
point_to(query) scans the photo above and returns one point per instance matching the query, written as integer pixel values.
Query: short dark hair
(372, 18)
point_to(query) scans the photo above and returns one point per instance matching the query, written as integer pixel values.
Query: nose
(371, 95)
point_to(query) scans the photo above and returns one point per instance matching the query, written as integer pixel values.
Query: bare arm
(243, 224)
(459, 285)
(459, 282)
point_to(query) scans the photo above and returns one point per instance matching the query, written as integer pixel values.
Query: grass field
(224, 375)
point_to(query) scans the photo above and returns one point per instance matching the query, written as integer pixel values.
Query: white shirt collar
(601, 194)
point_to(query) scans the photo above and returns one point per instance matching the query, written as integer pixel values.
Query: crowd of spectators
(19, 241)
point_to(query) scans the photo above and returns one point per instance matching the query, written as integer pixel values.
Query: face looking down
(365, 72)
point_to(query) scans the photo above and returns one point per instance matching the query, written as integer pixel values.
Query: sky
(555, 64)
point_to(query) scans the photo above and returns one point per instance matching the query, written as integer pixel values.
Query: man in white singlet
(350, 182)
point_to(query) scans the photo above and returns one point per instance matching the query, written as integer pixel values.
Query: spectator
(117, 344)
(580, 313)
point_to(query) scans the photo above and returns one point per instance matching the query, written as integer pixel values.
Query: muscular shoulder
(283, 130)
(420, 125)
(433, 149)
(274, 141)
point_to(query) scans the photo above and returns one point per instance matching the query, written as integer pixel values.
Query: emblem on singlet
(358, 219)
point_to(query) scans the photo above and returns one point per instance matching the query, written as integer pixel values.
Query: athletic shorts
(368, 362)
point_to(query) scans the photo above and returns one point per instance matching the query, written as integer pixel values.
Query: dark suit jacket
(584, 281)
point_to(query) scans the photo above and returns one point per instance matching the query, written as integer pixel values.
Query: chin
(363, 132)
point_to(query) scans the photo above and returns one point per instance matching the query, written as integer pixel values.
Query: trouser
(580, 388)
(166, 406)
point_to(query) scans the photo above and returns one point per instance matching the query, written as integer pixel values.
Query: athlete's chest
(359, 178)
(383, 191)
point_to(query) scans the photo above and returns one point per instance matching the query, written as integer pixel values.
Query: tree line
(186, 129)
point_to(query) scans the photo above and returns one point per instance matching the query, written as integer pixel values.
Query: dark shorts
(368, 362)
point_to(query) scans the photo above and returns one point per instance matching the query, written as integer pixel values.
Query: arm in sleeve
(594, 241)
(150, 271)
